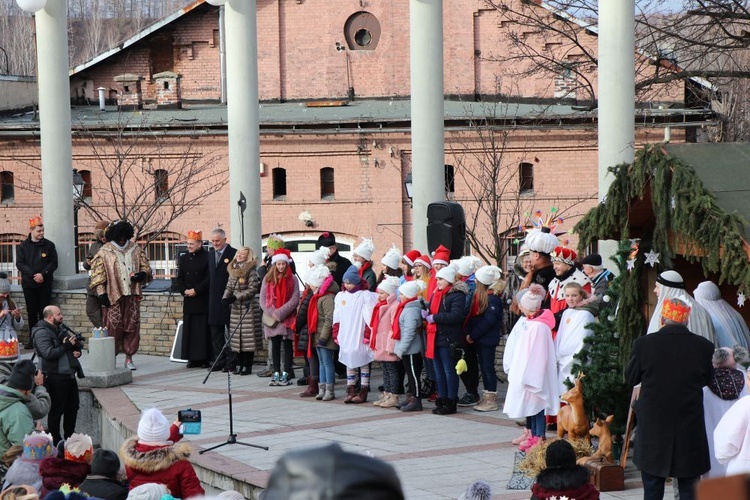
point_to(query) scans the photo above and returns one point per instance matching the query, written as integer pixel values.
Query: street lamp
(216, 3)
(78, 185)
(31, 5)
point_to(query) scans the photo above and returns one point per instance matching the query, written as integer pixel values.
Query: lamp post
(78, 185)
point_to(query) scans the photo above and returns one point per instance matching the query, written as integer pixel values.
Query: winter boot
(488, 403)
(523, 437)
(449, 407)
(247, 363)
(329, 395)
(390, 402)
(405, 401)
(439, 403)
(362, 396)
(383, 397)
(414, 405)
(312, 388)
(351, 391)
(321, 391)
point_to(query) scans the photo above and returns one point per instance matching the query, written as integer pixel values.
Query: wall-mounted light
(262, 169)
(307, 218)
(31, 5)
(409, 189)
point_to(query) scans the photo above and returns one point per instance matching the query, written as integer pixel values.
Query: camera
(67, 332)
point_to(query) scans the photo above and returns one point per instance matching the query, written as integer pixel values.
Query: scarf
(374, 320)
(365, 266)
(395, 327)
(312, 314)
(435, 301)
(278, 293)
(431, 285)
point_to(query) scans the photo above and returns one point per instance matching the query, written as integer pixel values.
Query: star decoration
(673, 202)
(740, 299)
(603, 200)
(652, 258)
(631, 264)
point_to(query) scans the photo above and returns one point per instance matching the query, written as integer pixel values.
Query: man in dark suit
(328, 240)
(672, 365)
(219, 257)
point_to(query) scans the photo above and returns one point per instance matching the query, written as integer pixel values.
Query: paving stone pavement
(436, 457)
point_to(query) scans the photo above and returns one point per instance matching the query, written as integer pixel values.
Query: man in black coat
(328, 240)
(36, 259)
(219, 257)
(672, 366)
(192, 282)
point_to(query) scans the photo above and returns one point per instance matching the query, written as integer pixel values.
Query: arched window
(161, 185)
(327, 184)
(86, 176)
(8, 244)
(279, 183)
(8, 193)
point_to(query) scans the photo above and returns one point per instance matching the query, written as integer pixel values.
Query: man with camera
(59, 350)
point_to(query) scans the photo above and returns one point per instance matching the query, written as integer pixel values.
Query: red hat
(441, 255)
(564, 255)
(423, 260)
(281, 254)
(35, 221)
(411, 257)
(676, 310)
(194, 234)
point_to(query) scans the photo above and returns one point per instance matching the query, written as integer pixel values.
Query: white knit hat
(532, 297)
(365, 249)
(541, 240)
(488, 274)
(389, 284)
(317, 275)
(411, 289)
(392, 258)
(318, 257)
(467, 265)
(448, 273)
(148, 491)
(153, 426)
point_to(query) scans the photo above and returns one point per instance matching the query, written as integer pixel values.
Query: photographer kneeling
(59, 351)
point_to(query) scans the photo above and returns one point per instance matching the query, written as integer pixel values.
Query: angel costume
(530, 362)
(349, 312)
(726, 388)
(671, 286)
(730, 326)
(569, 341)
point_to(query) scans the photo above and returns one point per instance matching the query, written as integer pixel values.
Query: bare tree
(489, 159)
(141, 175)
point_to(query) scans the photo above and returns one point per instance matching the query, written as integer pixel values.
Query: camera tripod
(232, 438)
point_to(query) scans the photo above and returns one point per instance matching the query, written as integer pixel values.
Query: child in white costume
(531, 365)
(573, 330)
(349, 326)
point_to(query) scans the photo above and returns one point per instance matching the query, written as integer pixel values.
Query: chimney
(168, 90)
(129, 95)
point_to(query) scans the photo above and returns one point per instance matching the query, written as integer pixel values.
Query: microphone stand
(232, 438)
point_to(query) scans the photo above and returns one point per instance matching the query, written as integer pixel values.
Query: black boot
(247, 363)
(449, 407)
(439, 403)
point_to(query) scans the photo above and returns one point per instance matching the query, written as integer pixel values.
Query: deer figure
(572, 417)
(604, 452)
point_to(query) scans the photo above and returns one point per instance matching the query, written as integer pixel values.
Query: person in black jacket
(672, 365)
(445, 319)
(193, 282)
(337, 262)
(103, 482)
(36, 260)
(219, 257)
(59, 352)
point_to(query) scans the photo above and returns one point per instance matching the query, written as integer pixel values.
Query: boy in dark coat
(103, 482)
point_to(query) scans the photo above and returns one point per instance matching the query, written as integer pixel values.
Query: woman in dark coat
(192, 282)
(244, 322)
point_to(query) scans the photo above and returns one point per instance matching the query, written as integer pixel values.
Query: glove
(229, 300)
(139, 277)
(461, 366)
(104, 300)
(430, 319)
(425, 313)
(322, 342)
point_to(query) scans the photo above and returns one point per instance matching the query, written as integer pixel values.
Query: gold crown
(35, 221)
(675, 311)
(195, 235)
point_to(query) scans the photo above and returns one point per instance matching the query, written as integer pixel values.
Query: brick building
(341, 168)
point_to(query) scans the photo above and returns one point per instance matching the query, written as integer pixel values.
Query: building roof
(358, 116)
(723, 170)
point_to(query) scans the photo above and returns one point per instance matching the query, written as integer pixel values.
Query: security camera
(339, 47)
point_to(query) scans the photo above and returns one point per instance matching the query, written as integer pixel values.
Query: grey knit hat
(4, 283)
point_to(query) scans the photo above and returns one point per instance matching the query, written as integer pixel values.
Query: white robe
(348, 312)
(713, 409)
(732, 438)
(729, 324)
(569, 341)
(531, 369)
(699, 321)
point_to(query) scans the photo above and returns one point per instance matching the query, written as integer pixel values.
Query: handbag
(268, 320)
